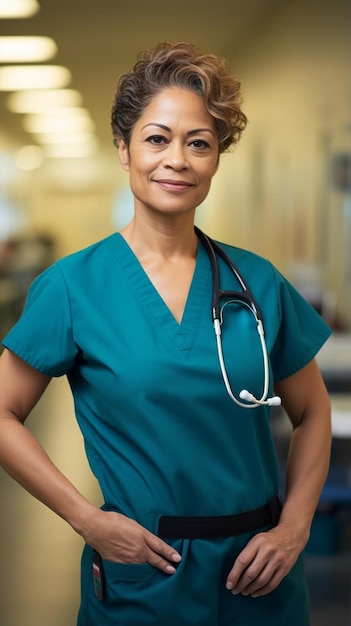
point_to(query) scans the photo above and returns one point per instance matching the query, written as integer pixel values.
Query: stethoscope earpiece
(246, 395)
(249, 397)
(246, 298)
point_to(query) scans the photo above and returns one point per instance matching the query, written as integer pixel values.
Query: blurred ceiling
(98, 40)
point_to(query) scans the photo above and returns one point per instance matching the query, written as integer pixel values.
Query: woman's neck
(167, 239)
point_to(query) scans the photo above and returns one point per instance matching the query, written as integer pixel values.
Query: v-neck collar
(181, 333)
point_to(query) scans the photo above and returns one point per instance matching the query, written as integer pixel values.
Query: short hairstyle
(179, 65)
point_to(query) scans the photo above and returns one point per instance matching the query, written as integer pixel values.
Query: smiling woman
(172, 154)
(192, 530)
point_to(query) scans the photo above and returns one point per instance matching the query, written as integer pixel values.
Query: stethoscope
(246, 299)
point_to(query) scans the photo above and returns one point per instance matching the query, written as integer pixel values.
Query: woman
(192, 531)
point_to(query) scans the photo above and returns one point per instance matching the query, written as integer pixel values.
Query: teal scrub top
(161, 434)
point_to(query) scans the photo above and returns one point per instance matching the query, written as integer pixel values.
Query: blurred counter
(341, 415)
(334, 360)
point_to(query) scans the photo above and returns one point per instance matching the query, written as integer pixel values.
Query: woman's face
(173, 153)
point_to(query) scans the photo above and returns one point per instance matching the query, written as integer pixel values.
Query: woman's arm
(269, 556)
(307, 404)
(114, 536)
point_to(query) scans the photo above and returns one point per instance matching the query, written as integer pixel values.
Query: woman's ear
(123, 153)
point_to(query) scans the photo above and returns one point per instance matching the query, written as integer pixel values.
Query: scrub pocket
(126, 572)
(134, 594)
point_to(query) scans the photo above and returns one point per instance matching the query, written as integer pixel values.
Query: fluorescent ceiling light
(18, 8)
(58, 124)
(66, 138)
(29, 158)
(40, 100)
(16, 77)
(54, 114)
(26, 49)
(79, 151)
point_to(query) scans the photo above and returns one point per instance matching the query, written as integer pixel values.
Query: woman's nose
(175, 156)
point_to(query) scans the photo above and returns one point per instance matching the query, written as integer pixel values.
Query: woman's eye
(156, 140)
(200, 143)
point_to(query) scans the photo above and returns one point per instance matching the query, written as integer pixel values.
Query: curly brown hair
(179, 65)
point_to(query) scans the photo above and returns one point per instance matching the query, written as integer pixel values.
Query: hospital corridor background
(284, 193)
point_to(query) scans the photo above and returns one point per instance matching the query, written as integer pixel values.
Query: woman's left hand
(265, 561)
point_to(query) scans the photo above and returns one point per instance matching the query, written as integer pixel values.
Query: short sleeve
(302, 332)
(43, 335)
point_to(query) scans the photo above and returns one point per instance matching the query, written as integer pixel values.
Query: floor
(40, 554)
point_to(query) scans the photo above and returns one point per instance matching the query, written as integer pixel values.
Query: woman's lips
(174, 185)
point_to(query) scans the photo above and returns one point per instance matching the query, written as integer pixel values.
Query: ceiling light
(18, 8)
(57, 151)
(26, 49)
(57, 113)
(41, 100)
(29, 158)
(57, 124)
(66, 138)
(16, 77)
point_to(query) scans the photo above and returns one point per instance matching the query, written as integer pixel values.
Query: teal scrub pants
(140, 595)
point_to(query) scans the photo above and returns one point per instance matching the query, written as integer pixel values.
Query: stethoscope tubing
(245, 298)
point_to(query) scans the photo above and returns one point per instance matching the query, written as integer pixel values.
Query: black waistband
(220, 526)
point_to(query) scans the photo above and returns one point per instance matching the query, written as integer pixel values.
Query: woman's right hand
(120, 539)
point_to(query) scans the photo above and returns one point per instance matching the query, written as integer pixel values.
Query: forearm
(307, 467)
(116, 537)
(23, 458)
(21, 455)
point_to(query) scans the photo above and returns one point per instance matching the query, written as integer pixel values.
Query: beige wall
(273, 193)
